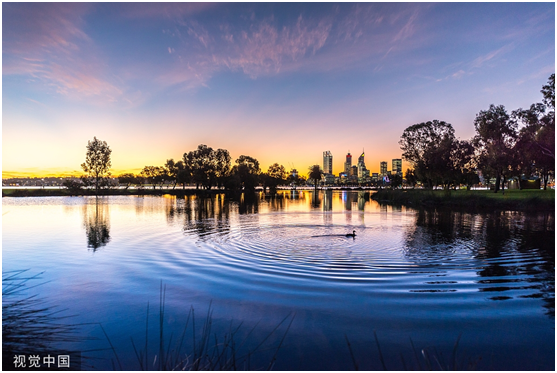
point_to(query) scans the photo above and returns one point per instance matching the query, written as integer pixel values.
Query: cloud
(408, 29)
(47, 43)
(459, 74)
(263, 46)
(162, 10)
(264, 49)
(481, 60)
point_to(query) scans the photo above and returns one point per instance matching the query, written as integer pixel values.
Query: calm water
(421, 277)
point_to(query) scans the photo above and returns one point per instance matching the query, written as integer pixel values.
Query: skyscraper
(327, 162)
(397, 166)
(362, 170)
(383, 168)
(348, 164)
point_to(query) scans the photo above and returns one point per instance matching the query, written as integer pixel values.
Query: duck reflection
(96, 222)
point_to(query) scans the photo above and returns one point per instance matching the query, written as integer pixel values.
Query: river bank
(63, 192)
(518, 200)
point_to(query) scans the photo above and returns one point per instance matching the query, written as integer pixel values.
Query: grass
(207, 350)
(63, 192)
(512, 199)
(425, 359)
(29, 323)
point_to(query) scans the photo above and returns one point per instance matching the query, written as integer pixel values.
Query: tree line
(203, 167)
(519, 144)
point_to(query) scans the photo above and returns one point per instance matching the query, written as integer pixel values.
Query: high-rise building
(327, 162)
(383, 168)
(362, 170)
(348, 164)
(397, 166)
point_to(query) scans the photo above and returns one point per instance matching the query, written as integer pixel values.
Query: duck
(353, 234)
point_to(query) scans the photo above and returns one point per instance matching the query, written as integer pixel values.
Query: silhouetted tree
(410, 177)
(222, 166)
(73, 186)
(206, 166)
(427, 147)
(396, 181)
(153, 175)
(172, 170)
(276, 175)
(247, 172)
(535, 147)
(315, 173)
(127, 179)
(97, 161)
(548, 92)
(494, 142)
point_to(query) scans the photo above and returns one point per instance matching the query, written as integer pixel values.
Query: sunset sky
(278, 82)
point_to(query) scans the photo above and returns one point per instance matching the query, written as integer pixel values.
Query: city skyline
(278, 82)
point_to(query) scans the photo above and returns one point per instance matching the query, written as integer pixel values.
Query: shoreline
(512, 200)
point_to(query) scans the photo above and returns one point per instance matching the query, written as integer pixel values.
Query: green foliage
(494, 141)
(437, 156)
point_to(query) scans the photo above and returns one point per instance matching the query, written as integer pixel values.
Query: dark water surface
(420, 278)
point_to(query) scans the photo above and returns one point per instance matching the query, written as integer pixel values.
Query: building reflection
(328, 200)
(96, 222)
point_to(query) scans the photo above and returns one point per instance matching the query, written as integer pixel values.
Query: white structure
(327, 162)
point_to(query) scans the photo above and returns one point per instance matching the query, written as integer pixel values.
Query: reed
(424, 359)
(30, 325)
(207, 350)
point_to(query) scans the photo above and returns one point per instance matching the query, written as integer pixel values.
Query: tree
(496, 136)
(548, 92)
(464, 164)
(427, 147)
(315, 173)
(74, 186)
(127, 179)
(410, 177)
(535, 147)
(97, 161)
(172, 171)
(222, 166)
(247, 171)
(276, 175)
(153, 175)
(207, 167)
(396, 181)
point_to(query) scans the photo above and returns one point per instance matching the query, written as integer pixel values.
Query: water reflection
(200, 214)
(513, 253)
(96, 223)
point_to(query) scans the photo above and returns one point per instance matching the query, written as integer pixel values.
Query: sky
(281, 82)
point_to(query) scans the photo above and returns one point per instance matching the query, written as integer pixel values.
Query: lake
(412, 288)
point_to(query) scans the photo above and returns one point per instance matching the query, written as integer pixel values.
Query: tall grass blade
(379, 349)
(351, 353)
